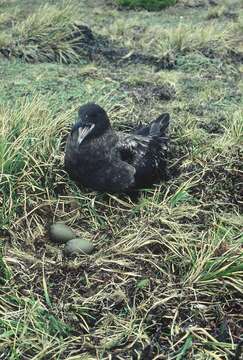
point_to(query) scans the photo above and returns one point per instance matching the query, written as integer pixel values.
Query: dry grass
(184, 38)
(181, 38)
(46, 35)
(165, 280)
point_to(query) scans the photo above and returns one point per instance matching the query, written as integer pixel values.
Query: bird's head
(92, 122)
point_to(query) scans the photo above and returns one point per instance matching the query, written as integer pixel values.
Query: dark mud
(214, 126)
(236, 56)
(143, 92)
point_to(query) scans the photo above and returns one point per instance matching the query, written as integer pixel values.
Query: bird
(101, 159)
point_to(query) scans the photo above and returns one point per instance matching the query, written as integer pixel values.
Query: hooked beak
(83, 132)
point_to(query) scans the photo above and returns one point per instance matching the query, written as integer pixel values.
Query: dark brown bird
(102, 159)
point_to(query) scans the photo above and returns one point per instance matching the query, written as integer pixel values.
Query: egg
(61, 233)
(78, 246)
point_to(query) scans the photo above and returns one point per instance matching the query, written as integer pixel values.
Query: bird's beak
(83, 131)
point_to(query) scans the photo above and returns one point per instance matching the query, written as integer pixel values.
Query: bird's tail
(156, 128)
(159, 126)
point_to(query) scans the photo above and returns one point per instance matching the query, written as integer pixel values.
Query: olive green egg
(78, 246)
(60, 233)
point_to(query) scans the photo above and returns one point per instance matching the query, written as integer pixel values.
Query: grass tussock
(212, 39)
(233, 136)
(5, 18)
(166, 277)
(20, 154)
(47, 35)
(184, 38)
(224, 8)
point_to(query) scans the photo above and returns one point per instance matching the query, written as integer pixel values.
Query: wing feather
(134, 148)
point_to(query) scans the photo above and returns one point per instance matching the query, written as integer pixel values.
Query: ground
(166, 278)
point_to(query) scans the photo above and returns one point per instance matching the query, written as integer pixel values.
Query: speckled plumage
(111, 161)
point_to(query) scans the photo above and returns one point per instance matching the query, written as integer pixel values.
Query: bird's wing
(132, 148)
(137, 150)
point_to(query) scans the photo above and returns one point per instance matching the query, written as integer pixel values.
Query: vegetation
(166, 277)
(46, 35)
(151, 5)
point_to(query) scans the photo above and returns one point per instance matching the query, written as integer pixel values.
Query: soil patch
(144, 91)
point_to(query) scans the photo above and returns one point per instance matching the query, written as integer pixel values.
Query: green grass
(147, 4)
(166, 277)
